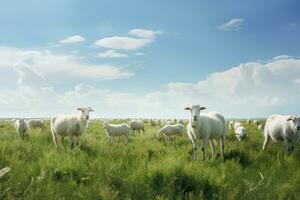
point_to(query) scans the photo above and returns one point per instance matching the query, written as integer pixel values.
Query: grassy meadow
(145, 168)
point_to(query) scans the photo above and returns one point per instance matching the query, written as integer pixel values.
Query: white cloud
(252, 89)
(145, 37)
(73, 39)
(232, 25)
(111, 54)
(139, 53)
(142, 33)
(37, 67)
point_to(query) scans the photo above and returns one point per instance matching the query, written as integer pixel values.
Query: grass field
(145, 168)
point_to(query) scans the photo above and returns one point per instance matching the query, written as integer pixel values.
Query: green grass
(145, 168)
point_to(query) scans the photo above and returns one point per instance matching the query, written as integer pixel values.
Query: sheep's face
(296, 120)
(195, 112)
(85, 112)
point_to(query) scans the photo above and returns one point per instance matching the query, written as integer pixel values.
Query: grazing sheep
(137, 125)
(171, 130)
(70, 125)
(284, 128)
(208, 127)
(240, 133)
(33, 124)
(21, 127)
(114, 130)
(248, 121)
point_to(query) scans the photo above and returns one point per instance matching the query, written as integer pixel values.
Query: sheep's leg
(212, 145)
(266, 141)
(194, 143)
(222, 145)
(203, 146)
(143, 130)
(54, 139)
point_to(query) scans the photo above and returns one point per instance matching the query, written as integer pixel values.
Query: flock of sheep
(209, 127)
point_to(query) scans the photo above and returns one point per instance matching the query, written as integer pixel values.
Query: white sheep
(248, 121)
(284, 128)
(114, 130)
(240, 133)
(70, 125)
(21, 127)
(208, 127)
(137, 125)
(171, 130)
(35, 124)
(260, 127)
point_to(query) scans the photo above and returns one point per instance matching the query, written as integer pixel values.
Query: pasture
(145, 168)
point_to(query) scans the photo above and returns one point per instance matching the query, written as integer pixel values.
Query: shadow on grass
(242, 158)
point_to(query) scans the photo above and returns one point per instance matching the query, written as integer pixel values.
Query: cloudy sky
(149, 58)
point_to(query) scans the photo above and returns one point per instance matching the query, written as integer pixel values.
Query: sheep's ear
(79, 109)
(187, 108)
(202, 108)
(290, 118)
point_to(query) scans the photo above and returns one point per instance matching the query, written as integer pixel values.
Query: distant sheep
(171, 130)
(208, 127)
(21, 127)
(260, 127)
(116, 130)
(33, 124)
(137, 125)
(70, 125)
(284, 128)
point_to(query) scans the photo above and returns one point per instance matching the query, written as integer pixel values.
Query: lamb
(171, 130)
(137, 125)
(70, 125)
(208, 126)
(284, 128)
(35, 124)
(240, 133)
(113, 130)
(21, 127)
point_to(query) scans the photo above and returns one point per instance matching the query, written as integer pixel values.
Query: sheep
(208, 126)
(70, 125)
(240, 133)
(137, 125)
(237, 124)
(171, 130)
(21, 127)
(284, 128)
(35, 124)
(152, 122)
(260, 127)
(248, 121)
(113, 130)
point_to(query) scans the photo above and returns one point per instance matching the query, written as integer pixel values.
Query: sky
(149, 58)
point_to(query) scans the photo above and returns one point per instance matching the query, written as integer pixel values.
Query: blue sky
(189, 43)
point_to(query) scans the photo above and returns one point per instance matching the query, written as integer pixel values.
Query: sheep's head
(85, 112)
(296, 121)
(195, 112)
